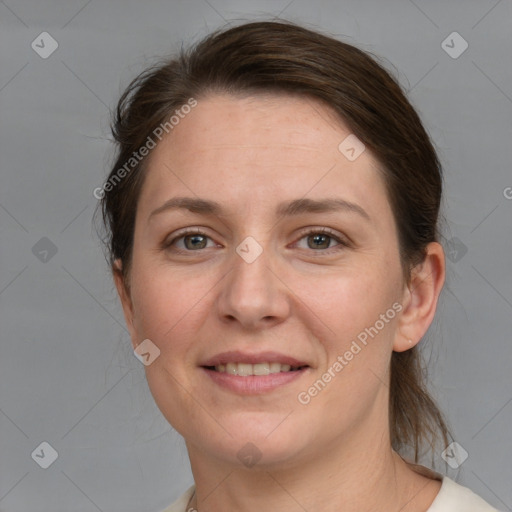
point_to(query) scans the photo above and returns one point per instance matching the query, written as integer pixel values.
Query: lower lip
(254, 384)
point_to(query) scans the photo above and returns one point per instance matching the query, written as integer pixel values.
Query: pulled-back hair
(281, 57)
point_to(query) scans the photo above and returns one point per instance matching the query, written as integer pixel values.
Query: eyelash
(342, 244)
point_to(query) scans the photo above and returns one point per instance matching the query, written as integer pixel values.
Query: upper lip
(235, 356)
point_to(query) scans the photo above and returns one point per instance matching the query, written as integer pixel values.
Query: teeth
(275, 367)
(261, 368)
(245, 370)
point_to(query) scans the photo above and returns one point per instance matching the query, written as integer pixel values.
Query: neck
(333, 479)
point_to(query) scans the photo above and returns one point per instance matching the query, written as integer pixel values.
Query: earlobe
(420, 298)
(124, 296)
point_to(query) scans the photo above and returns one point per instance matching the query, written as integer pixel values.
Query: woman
(272, 219)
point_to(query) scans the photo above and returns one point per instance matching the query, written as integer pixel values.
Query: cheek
(168, 310)
(352, 301)
(166, 305)
(358, 345)
(356, 310)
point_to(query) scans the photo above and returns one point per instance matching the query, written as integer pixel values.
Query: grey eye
(193, 242)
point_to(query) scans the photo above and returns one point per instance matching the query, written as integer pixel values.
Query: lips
(253, 374)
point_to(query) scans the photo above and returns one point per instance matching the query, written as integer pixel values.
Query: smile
(246, 369)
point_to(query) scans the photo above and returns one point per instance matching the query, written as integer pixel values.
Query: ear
(420, 298)
(124, 296)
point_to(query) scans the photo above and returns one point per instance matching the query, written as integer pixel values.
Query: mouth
(259, 369)
(251, 374)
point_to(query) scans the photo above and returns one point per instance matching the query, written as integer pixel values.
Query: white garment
(452, 497)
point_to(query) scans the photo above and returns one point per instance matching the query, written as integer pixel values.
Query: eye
(321, 239)
(190, 240)
(318, 239)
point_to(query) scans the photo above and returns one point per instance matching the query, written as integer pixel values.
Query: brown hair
(281, 57)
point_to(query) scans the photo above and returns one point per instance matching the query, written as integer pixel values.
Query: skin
(250, 154)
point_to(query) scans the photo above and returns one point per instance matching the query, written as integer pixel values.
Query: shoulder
(180, 505)
(453, 497)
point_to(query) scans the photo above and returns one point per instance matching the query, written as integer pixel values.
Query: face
(266, 271)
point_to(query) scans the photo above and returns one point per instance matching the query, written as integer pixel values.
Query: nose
(253, 294)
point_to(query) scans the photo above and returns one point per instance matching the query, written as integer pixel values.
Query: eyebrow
(286, 209)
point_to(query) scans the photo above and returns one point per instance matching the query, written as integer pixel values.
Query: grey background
(67, 373)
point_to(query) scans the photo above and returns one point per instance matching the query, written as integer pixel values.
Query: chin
(259, 440)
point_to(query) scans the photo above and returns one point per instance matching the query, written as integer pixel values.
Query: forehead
(260, 148)
(263, 122)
